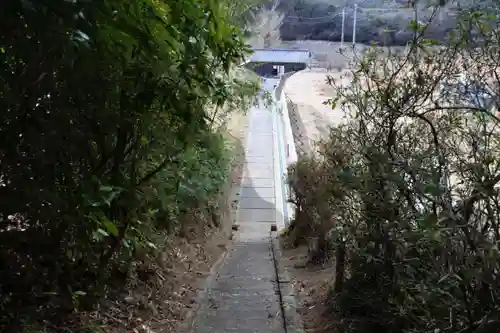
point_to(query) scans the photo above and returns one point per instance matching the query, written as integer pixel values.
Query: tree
(266, 27)
(409, 186)
(106, 138)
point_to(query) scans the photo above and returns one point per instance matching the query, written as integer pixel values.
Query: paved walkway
(243, 297)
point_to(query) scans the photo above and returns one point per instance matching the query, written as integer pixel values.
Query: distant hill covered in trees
(385, 22)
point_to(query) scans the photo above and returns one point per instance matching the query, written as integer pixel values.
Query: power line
(298, 20)
(308, 22)
(351, 10)
(304, 24)
(313, 18)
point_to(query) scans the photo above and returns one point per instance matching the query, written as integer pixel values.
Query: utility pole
(342, 34)
(354, 26)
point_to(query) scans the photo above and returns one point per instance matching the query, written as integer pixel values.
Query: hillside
(385, 22)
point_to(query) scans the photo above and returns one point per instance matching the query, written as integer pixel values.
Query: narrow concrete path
(244, 295)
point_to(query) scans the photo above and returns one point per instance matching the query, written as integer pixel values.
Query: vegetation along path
(243, 296)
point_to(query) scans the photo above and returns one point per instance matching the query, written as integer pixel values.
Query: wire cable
(350, 10)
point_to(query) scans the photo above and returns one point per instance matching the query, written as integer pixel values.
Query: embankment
(306, 91)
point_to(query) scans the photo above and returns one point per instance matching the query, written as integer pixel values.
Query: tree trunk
(340, 267)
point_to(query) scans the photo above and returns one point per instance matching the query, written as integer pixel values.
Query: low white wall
(284, 146)
(288, 150)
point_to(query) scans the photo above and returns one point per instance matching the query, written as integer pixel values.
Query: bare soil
(311, 284)
(308, 89)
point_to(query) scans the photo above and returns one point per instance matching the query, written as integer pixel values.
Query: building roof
(280, 56)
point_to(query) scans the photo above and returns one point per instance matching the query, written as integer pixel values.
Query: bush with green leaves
(408, 196)
(105, 133)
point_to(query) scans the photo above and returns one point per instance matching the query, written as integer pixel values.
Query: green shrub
(410, 185)
(105, 137)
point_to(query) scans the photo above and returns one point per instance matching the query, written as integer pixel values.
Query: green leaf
(110, 227)
(126, 243)
(102, 232)
(106, 188)
(79, 293)
(432, 189)
(151, 245)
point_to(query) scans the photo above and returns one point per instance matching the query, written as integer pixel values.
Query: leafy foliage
(105, 136)
(406, 192)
